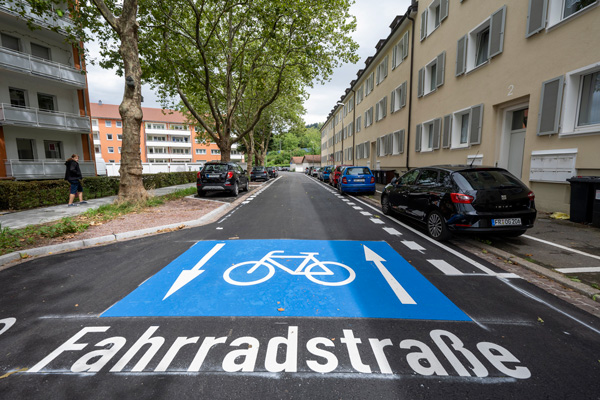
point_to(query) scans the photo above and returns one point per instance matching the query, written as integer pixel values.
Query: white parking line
(562, 247)
(576, 270)
(392, 231)
(376, 221)
(445, 267)
(365, 213)
(413, 245)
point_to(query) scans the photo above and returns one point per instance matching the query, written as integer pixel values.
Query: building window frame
(571, 106)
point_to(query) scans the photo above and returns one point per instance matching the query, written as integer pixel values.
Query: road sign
(298, 278)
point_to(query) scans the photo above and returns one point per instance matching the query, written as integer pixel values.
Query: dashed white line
(392, 231)
(577, 270)
(446, 268)
(376, 221)
(413, 245)
(365, 213)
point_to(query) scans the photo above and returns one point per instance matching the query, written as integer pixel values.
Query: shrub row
(23, 195)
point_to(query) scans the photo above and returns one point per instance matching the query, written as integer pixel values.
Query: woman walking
(73, 176)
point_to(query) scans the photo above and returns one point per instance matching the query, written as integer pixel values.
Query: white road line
(351, 204)
(365, 213)
(446, 268)
(357, 208)
(376, 221)
(562, 247)
(413, 245)
(392, 231)
(575, 270)
(441, 245)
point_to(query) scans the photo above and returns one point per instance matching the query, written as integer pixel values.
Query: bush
(23, 195)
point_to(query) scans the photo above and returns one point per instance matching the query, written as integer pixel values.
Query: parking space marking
(365, 213)
(446, 268)
(578, 270)
(357, 208)
(392, 231)
(376, 221)
(413, 245)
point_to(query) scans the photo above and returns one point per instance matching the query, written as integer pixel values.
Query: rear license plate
(359, 180)
(506, 222)
(214, 175)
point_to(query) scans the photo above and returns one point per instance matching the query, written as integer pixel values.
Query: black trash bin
(596, 212)
(583, 199)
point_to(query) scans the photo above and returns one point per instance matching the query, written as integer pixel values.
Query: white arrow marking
(402, 294)
(188, 275)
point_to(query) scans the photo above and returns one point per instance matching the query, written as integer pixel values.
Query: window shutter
(393, 101)
(366, 118)
(461, 55)
(384, 106)
(395, 55)
(378, 145)
(536, 17)
(436, 133)
(476, 120)
(405, 45)
(441, 68)
(367, 149)
(401, 142)
(550, 104)
(418, 138)
(497, 23)
(385, 67)
(443, 9)
(420, 86)
(423, 24)
(447, 131)
(403, 95)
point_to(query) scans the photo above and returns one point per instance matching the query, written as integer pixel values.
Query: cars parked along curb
(221, 177)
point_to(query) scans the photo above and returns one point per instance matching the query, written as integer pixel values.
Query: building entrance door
(516, 148)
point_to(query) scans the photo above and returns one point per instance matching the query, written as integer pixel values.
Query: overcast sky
(373, 21)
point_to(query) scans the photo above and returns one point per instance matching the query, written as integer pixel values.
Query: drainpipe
(353, 125)
(414, 7)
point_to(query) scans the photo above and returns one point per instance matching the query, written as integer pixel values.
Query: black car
(221, 177)
(272, 172)
(259, 173)
(457, 198)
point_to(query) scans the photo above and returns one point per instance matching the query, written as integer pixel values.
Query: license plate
(506, 222)
(214, 175)
(359, 180)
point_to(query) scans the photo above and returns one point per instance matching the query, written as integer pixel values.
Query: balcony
(33, 117)
(167, 132)
(28, 64)
(179, 145)
(169, 156)
(44, 169)
(14, 7)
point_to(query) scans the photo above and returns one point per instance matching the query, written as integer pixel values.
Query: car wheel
(247, 186)
(436, 226)
(385, 205)
(236, 190)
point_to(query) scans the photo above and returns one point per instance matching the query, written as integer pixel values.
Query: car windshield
(357, 171)
(215, 168)
(258, 168)
(485, 180)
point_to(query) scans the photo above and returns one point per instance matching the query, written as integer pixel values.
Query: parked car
(335, 174)
(454, 198)
(259, 173)
(315, 171)
(272, 172)
(357, 180)
(324, 173)
(221, 177)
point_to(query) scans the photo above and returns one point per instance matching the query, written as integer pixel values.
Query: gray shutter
(550, 104)
(476, 120)
(461, 55)
(497, 23)
(436, 133)
(367, 149)
(401, 142)
(536, 17)
(443, 9)
(421, 82)
(403, 95)
(366, 118)
(384, 105)
(392, 101)
(423, 24)
(441, 69)
(418, 138)
(378, 147)
(405, 45)
(447, 131)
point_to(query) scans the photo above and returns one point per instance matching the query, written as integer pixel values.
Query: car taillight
(230, 175)
(198, 176)
(372, 179)
(461, 198)
(531, 196)
(344, 180)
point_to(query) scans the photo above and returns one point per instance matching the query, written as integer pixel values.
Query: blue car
(357, 180)
(324, 173)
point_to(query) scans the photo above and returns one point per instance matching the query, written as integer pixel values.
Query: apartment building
(44, 106)
(456, 81)
(166, 137)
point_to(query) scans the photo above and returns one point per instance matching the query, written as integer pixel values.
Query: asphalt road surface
(299, 293)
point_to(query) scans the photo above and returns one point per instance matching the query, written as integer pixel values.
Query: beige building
(456, 81)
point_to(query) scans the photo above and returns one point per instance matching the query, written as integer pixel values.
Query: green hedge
(23, 195)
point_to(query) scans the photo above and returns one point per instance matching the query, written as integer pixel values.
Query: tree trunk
(131, 187)
(249, 143)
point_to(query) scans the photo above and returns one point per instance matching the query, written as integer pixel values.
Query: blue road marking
(297, 278)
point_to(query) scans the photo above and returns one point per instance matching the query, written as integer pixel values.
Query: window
(10, 42)
(108, 124)
(177, 127)
(385, 145)
(432, 17)
(215, 152)
(18, 97)
(358, 123)
(94, 122)
(382, 70)
(119, 137)
(200, 151)
(369, 117)
(463, 128)
(26, 149)
(427, 177)
(98, 148)
(398, 98)
(381, 109)
(370, 84)
(547, 13)
(400, 51)
(398, 142)
(481, 44)
(428, 135)
(111, 150)
(431, 76)
(46, 102)
(53, 149)
(119, 124)
(119, 150)
(40, 51)
(109, 136)
(360, 94)
(351, 104)
(589, 107)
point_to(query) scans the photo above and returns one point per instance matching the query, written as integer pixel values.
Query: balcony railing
(165, 143)
(25, 116)
(171, 132)
(26, 63)
(52, 20)
(44, 169)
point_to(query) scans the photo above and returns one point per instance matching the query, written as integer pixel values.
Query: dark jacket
(73, 172)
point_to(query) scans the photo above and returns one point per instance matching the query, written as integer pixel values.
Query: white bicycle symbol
(267, 270)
